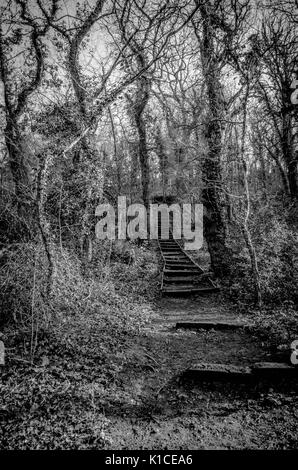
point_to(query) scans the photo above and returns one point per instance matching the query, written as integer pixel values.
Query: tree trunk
(214, 221)
(293, 178)
(245, 222)
(142, 98)
(43, 224)
(163, 161)
(287, 148)
(12, 137)
(143, 154)
(91, 158)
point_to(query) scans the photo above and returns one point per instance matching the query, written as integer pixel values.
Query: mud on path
(157, 410)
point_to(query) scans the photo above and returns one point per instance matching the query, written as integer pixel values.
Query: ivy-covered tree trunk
(293, 176)
(90, 164)
(163, 160)
(17, 163)
(214, 220)
(290, 156)
(13, 108)
(143, 151)
(141, 100)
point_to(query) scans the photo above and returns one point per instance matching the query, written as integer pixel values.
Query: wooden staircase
(181, 275)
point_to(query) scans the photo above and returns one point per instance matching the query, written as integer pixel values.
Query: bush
(78, 303)
(278, 263)
(279, 325)
(276, 245)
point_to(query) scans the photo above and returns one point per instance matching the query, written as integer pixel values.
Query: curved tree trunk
(13, 109)
(94, 180)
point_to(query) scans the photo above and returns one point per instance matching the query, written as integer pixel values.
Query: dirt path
(156, 410)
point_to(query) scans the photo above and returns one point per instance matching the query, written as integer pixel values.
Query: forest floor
(70, 402)
(167, 413)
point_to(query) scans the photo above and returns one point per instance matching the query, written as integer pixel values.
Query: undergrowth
(276, 245)
(63, 354)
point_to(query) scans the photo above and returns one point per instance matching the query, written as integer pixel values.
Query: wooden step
(274, 370)
(175, 254)
(210, 325)
(173, 290)
(268, 371)
(195, 272)
(194, 279)
(173, 265)
(177, 272)
(207, 371)
(169, 247)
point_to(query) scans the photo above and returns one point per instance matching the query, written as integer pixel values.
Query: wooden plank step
(177, 272)
(169, 245)
(187, 268)
(172, 255)
(258, 371)
(185, 261)
(187, 285)
(194, 279)
(177, 286)
(185, 264)
(174, 258)
(207, 371)
(192, 273)
(170, 249)
(196, 274)
(210, 325)
(189, 290)
(274, 369)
